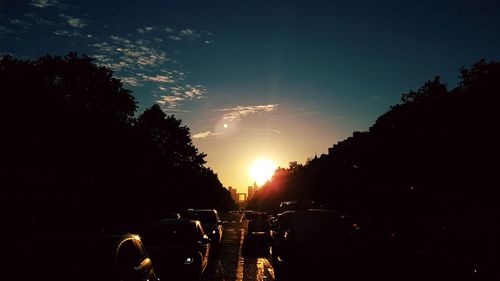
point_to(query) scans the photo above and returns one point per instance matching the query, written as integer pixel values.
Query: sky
(277, 80)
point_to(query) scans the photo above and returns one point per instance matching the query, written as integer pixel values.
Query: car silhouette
(179, 247)
(210, 221)
(306, 242)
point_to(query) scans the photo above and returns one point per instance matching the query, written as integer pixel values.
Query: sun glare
(262, 171)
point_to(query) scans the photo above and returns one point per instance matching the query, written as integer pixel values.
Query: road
(241, 257)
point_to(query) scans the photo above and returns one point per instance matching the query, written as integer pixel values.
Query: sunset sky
(277, 80)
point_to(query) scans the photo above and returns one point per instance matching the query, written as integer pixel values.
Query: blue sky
(288, 78)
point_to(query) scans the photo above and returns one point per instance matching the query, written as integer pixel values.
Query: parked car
(179, 247)
(306, 242)
(78, 255)
(210, 221)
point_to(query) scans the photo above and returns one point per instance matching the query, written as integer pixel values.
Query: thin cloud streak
(278, 132)
(157, 78)
(44, 3)
(204, 135)
(67, 33)
(238, 112)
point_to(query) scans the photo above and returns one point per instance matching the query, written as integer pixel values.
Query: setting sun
(262, 171)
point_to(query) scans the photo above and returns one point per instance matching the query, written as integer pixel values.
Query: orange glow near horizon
(262, 170)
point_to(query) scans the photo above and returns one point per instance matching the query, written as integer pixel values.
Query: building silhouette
(234, 194)
(251, 191)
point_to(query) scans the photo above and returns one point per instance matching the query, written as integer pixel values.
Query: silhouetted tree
(422, 172)
(69, 134)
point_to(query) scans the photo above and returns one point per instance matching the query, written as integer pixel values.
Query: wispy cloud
(120, 53)
(170, 101)
(147, 29)
(157, 78)
(175, 38)
(130, 80)
(238, 112)
(73, 21)
(189, 34)
(44, 3)
(182, 93)
(190, 91)
(68, 33)
(204, 135)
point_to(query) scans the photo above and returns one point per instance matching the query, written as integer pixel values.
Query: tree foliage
(69, 132)
(426, 158)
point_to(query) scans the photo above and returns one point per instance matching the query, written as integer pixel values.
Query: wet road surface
(241, 257)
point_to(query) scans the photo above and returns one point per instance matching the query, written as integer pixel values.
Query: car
(296, 205)
(258, 223)
(306, 242)
(79, 255)
(179, 247)
(210, 221)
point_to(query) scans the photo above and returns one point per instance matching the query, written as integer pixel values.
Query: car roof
(202, 210)
(175, 221)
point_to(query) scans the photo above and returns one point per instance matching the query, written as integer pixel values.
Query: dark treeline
(431, 159)
(73, 146)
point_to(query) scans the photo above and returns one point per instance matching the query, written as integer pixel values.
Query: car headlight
(189, 260)
(213, 232)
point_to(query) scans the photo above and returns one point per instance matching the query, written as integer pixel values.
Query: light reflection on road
(231, 262)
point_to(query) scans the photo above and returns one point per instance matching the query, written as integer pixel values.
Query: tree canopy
(426, 155)
(69, 132)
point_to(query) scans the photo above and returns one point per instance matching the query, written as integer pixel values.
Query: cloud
(182, 93)
(157, 78)
(189, 34)
(74, 22)
(120, 53)
(189, 91)
(132, 81)
(238, 112)
(278, 132)
(170, 101)
(67, 33)
(175, 38)
(204, 135)
(147, 29)
(44, 3)
(169, 29)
